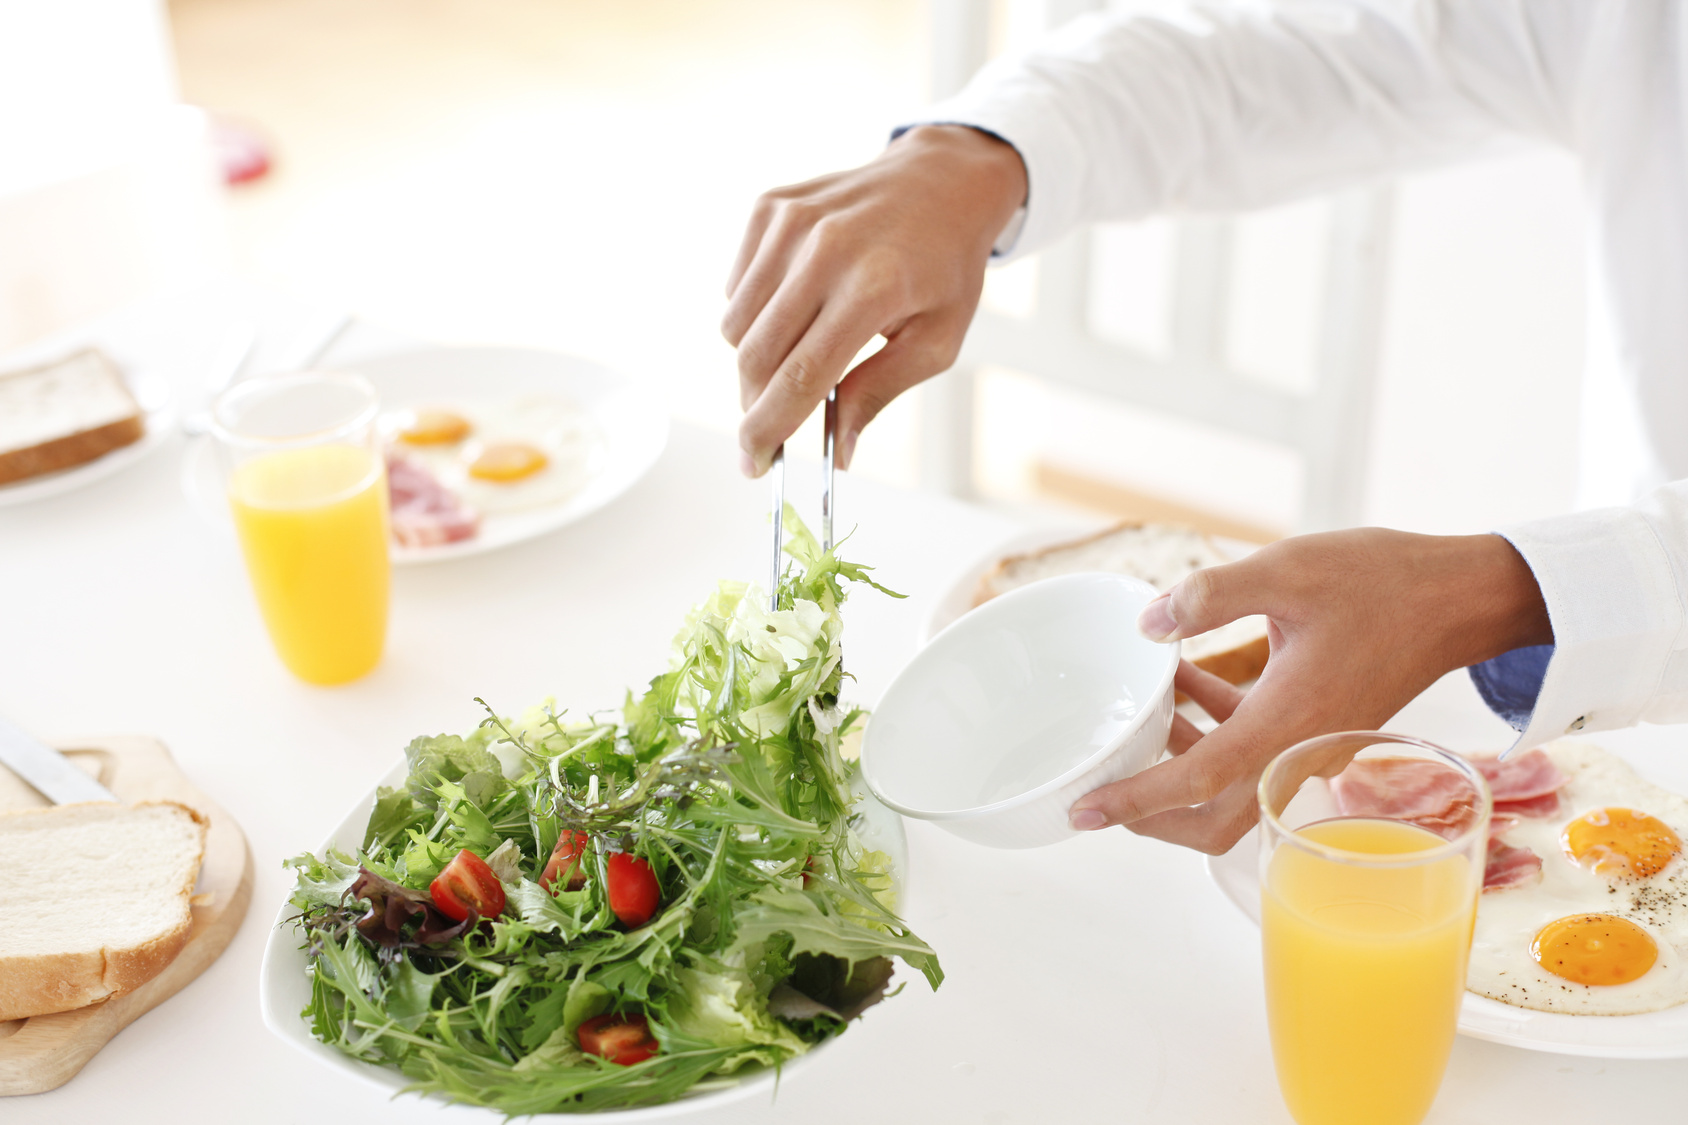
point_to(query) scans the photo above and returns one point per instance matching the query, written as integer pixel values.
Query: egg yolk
(1621, 841)
(508, 461)
(434, 427)
(1594, 949)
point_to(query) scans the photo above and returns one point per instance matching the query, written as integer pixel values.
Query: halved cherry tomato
(568, 856)
(623, 1038)
(634, 893)
(466, 884)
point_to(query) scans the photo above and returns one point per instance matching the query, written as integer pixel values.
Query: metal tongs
(778, 473)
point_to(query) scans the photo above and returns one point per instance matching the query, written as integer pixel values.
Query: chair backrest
(1328, 426)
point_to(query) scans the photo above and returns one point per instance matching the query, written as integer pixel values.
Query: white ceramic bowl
(1021, 707)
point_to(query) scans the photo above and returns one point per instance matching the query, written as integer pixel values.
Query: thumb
(1207, 599)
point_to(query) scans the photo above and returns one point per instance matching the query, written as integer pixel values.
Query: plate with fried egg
(487, 447)
(1581, 939)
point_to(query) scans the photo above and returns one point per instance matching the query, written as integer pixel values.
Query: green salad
(574, 913)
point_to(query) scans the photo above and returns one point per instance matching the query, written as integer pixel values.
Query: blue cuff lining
(1511, 682)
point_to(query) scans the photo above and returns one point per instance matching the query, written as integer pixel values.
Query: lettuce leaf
(449, 757)
(715, 1006)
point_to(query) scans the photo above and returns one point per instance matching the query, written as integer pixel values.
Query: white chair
(1329, 427)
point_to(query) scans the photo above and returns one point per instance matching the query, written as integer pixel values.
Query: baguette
(64, 414)
(97, 900)
(1161, 555)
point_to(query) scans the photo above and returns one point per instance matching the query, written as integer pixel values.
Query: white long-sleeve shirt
(1210, 106)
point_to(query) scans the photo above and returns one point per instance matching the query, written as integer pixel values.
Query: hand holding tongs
(778, 473)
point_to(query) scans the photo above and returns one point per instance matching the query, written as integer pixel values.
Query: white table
(1101, 980)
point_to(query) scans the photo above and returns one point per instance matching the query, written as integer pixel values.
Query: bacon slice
(1545, 805)
(1415, 790)
(1434, 797)
(1529, 775)
(424, 512)
(1500, 824)
(1508, 866)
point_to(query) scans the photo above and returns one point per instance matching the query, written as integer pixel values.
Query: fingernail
(747, 465)
(848, 452)
(1087, 820)
(1156, 621)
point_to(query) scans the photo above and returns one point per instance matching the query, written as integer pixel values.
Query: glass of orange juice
(1366, 920)
(308, 489)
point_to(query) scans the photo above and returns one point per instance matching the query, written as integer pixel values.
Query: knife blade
(49, 771)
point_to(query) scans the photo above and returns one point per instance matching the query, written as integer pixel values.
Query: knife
(46, 769)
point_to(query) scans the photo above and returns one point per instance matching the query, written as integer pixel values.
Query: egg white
(1509, 920)
(571, 441)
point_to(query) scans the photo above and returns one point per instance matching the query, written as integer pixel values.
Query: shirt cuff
(1510, 684)
(1612, 600)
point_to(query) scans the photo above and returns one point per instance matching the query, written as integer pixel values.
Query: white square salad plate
(284, 988)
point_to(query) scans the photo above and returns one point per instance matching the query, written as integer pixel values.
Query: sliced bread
(1161, 555)
(63, 415)
(97, 900)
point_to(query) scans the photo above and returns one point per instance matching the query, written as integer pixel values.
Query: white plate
(284, 990)
(1650, 1035)
(633, 425)
(152, 392)
(957, 595)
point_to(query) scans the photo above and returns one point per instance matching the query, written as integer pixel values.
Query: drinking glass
(1366, 922)
(307, 486)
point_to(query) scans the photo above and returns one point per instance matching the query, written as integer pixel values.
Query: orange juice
(313, 527)
(1365, 971)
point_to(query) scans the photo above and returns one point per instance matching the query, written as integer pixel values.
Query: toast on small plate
(1161, 555)
(64, 414)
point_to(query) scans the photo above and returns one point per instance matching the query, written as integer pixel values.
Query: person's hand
(896, 248)
(1360, 623)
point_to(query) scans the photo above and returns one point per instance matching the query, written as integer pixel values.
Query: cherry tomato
(634, 893)
(623, 1038)
(466, 884)
(568, 856)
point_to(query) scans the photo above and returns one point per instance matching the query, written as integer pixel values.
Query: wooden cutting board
(44, 1052)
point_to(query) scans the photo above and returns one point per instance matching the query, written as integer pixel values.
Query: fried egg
(430, 425)
(500, 456)
(1605, 930)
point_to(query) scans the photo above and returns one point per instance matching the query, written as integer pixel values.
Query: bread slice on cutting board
(96, 900)
(64, 414)
(1161, 555)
